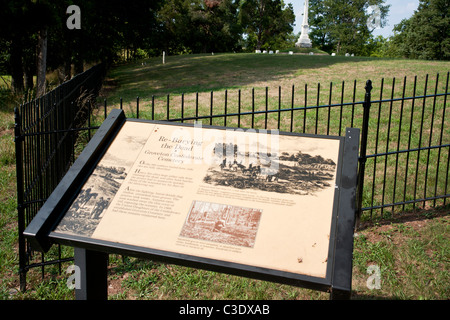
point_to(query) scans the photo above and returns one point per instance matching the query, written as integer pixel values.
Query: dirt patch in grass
(416, 218)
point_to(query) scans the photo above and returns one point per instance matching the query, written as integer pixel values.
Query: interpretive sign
(261, 202)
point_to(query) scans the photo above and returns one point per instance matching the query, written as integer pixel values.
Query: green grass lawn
(411, 249)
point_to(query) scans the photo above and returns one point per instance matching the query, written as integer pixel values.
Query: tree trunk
(16, 65)
(67, 70)
(28, 73)
(78, 64)
(41, 62)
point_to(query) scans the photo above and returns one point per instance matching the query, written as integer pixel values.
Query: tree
(200, 25)
(341, 25)
(13, 32)
(426, 35)
(266, 20)
(31, 28)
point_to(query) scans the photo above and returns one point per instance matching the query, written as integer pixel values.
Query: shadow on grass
(408, 216)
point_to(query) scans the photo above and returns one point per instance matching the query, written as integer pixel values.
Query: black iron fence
(405, 135)
(46, 131)
(405, 142)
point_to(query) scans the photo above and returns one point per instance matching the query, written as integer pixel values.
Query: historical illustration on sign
(222, 223)
(86, 211)
(94, 198)
(294, 173)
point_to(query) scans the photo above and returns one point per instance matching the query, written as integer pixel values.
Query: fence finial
(368, 86)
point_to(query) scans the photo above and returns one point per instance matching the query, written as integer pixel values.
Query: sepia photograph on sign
(222, 223)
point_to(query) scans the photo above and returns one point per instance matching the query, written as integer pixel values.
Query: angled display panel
(251, 202)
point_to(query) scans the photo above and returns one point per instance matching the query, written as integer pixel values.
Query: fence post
(363, 149)
(18, 140)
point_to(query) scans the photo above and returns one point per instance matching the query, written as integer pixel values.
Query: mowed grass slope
(203, 73)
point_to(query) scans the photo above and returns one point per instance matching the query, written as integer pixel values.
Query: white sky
(400, 9)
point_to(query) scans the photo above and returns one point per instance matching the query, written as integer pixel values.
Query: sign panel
(249, 197)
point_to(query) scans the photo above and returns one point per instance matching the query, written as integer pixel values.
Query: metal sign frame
(91, 254)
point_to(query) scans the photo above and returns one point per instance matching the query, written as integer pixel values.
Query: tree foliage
(267, 23)
(114, 29)
(341, 25)
(199, 26)
(426, 35)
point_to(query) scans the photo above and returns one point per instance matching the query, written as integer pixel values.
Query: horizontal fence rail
(405, 135)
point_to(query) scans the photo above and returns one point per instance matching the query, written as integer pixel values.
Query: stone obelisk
(304, 41)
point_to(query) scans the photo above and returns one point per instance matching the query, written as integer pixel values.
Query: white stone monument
(304, 41)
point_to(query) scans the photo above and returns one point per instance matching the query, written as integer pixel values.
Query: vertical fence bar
(279, 107)
(105, 109)
(292, 108)
(446, 176)
(420, 139)
(168, 106)
(430, 139)
(376, 144)
(329, 108)
(225, 107)
(304, 110)
(317, 105)
(253, 108)
(38, 155)
(72, 135)
(18, 142)
(398, 141)
(387, 145)
(353, 105)
(196, 104)
(341, 108)
(267, 107)
(363, 148)
(153, 107)
(440, 141)
(89, 119)
(211, 108)
(137, 107)
(239, 108)
(409, 140)
(182, 107)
